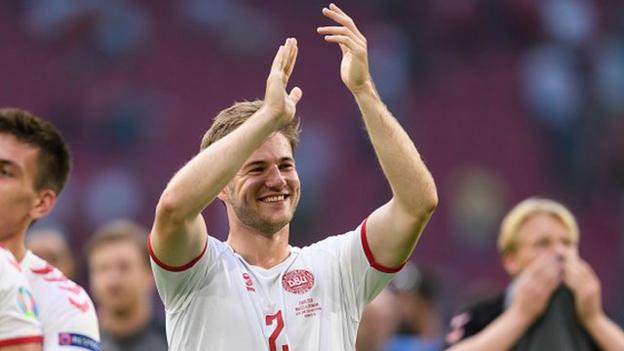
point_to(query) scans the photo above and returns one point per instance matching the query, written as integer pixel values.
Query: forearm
(500, 335)
(411, 183)
(608, 335)
(22, 347)
(198, 182)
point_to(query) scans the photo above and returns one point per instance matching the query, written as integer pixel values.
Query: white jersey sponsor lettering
(66, 311)
(311, 301)
(19, 322)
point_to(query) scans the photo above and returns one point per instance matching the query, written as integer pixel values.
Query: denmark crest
(298, 281)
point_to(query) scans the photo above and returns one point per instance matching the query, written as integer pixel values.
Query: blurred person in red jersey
(34, 166)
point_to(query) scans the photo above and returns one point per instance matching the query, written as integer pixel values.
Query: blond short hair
(234, 116)
(513, 221)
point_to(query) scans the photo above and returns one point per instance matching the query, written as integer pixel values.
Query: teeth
(276, 198)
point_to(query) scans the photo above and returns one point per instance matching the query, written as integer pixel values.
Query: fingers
(295, 95)
(278, 60)
(285, 58)
(337, 15)
(293, 50)
(345, 41)
(548, 270)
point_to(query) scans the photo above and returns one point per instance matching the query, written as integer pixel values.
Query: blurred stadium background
(505, 99)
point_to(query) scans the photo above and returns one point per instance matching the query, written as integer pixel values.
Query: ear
(510, 264)
(44, 203)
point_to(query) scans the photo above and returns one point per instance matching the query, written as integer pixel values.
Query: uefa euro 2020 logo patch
(27, 304)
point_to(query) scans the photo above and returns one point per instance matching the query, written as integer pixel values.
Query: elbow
(420, 207)
(428, 201)
(431, 201)
(169, 208)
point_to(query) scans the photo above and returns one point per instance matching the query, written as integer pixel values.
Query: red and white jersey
(311, 301)
(19, 321)
(66, 311)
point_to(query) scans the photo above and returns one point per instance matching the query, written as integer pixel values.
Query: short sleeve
(361, 276)
(19, 323)
(176, 285)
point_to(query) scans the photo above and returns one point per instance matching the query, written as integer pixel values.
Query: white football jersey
(19, 321)
(66, 311)
(311, 301)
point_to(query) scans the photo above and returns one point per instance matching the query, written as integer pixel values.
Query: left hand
(585, 286)
(354, 69)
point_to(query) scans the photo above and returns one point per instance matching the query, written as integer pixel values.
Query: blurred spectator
(554, 91)
(378, 323)
(122, 286)
(51, 245)
(554, 300)
(253, 26)
(113, 192)
(420, 317)
(116, 27)
(478, 196)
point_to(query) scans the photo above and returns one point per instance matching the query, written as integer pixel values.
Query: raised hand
(354, 69)
(585, 286)
(536, 285)
(280, 104)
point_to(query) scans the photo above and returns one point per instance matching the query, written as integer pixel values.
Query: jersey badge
(298, 281)
(26, 303)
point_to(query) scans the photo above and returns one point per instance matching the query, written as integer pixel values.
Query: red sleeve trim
(22, 340)
(371, 258)
(173, 268)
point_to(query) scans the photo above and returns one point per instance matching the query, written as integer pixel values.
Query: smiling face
(265, 192)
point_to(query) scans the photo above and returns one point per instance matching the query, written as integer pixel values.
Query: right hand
(536, 284)
(277, 102)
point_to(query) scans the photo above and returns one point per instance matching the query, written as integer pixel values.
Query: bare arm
(500, 335)
(534, 288)
(23, 347)
(179, 232)
(606, 333)
(393, 229)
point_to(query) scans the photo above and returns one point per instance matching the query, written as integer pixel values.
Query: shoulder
(336, 240)
(52, 288)
(474, 317)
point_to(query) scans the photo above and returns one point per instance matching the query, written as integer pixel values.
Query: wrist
(365, 89)
(270, 116)
(594, 321)
(521, 317)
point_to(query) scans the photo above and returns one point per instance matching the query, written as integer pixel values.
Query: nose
(275, 179)
(561, 250)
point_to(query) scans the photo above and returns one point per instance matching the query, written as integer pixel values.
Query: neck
(126, 323)
(260, 249)
(15, 244)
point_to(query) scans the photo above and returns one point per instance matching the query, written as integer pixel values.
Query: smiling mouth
(274, 198)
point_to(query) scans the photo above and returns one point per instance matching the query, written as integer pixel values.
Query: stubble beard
(252, 219)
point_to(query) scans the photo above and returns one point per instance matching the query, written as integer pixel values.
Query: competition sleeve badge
(78, 340)
(298, 281)
(26, 303)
